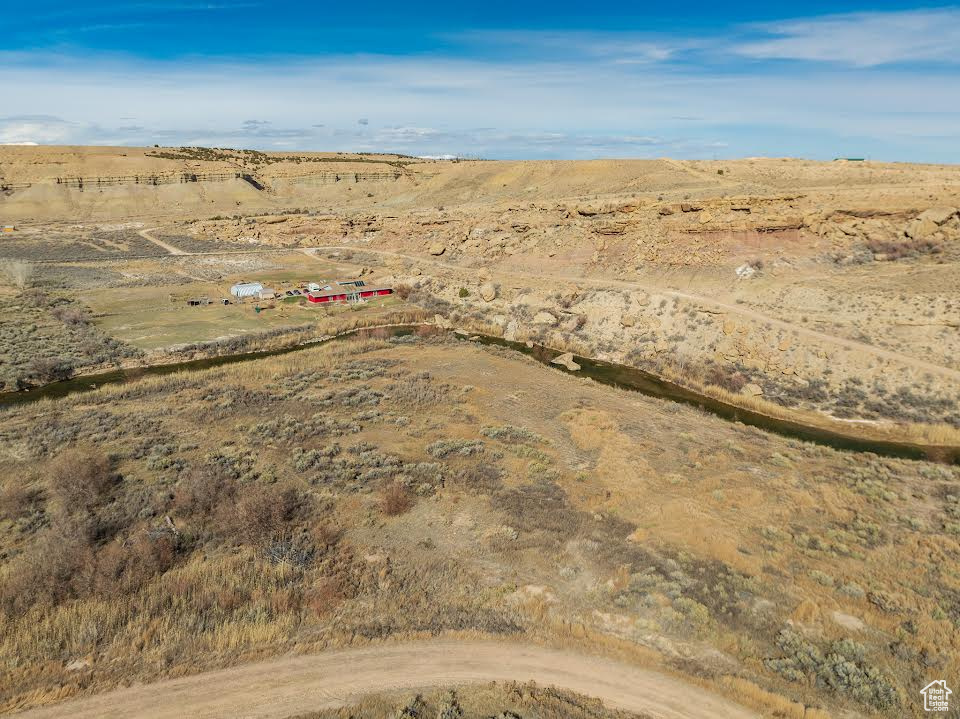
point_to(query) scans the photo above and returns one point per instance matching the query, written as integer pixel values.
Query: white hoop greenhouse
(246, 289)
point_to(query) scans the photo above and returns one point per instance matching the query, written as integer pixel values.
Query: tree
(18, 272)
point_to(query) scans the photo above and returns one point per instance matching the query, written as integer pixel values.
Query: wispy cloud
(96, 28)
(67, 23)
(128, 8)
(624, 47)
(36, 129)
(863, 39)
(523, 94)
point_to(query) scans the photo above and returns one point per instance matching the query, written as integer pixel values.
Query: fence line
(183, 177)
(333, 177)
(187, 177)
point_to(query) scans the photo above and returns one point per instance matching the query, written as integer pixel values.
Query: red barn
(361, 293)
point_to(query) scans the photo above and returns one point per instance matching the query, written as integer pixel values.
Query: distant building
(267, 294)
(242, 290)
(8, 228)
(352, 296)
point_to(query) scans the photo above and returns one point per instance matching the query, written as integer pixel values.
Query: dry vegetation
(410, 487)
(17, 272)
(340, 495)
(68, 242)
(504, 701)
(901, 402)
(44, 338)
(49, 333)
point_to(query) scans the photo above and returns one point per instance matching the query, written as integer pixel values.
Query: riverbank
(206, 354)
(736, 408)
(432, 483)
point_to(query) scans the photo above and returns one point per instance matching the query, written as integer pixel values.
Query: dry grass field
(377, 489)
(385, 488)
(45, 337)
(71, 316)
(153, 315)
(470, 702)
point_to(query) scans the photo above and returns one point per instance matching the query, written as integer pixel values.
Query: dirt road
(733, 310)
(600, 283)
(292, 685)
(145, 234)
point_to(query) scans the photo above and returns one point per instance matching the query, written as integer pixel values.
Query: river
(606, 373)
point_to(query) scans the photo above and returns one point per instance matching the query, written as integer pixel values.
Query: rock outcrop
(487, 292)
(566, 360)
(938, 215)
(922, 228)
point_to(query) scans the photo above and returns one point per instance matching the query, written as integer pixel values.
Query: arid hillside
(827, 289)
(404, 488)
(820, 290)
(120, 183)
(428, 488)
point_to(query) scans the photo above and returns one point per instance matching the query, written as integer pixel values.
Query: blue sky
(497, 79)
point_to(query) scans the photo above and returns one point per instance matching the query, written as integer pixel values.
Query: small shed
(8, 228)
(267, 294)
(242, 290)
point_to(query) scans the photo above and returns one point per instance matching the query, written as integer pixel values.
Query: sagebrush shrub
(395, 499)
(80, 478)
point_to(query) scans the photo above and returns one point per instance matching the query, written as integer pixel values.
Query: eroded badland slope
(422, 486)
(827, 288)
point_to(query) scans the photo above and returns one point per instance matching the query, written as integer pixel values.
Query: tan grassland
(380, 491)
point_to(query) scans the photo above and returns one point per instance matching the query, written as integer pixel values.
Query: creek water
(607, 373)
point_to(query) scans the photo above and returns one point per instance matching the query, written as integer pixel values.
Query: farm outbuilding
(353, 296)
(242, 290)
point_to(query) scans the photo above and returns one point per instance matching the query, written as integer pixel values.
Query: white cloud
(492, 108)
(621, 47)
(863, 39)
(35, 129)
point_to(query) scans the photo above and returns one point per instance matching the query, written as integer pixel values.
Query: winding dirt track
(601, 283)
(848, 344)
(289, 686)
